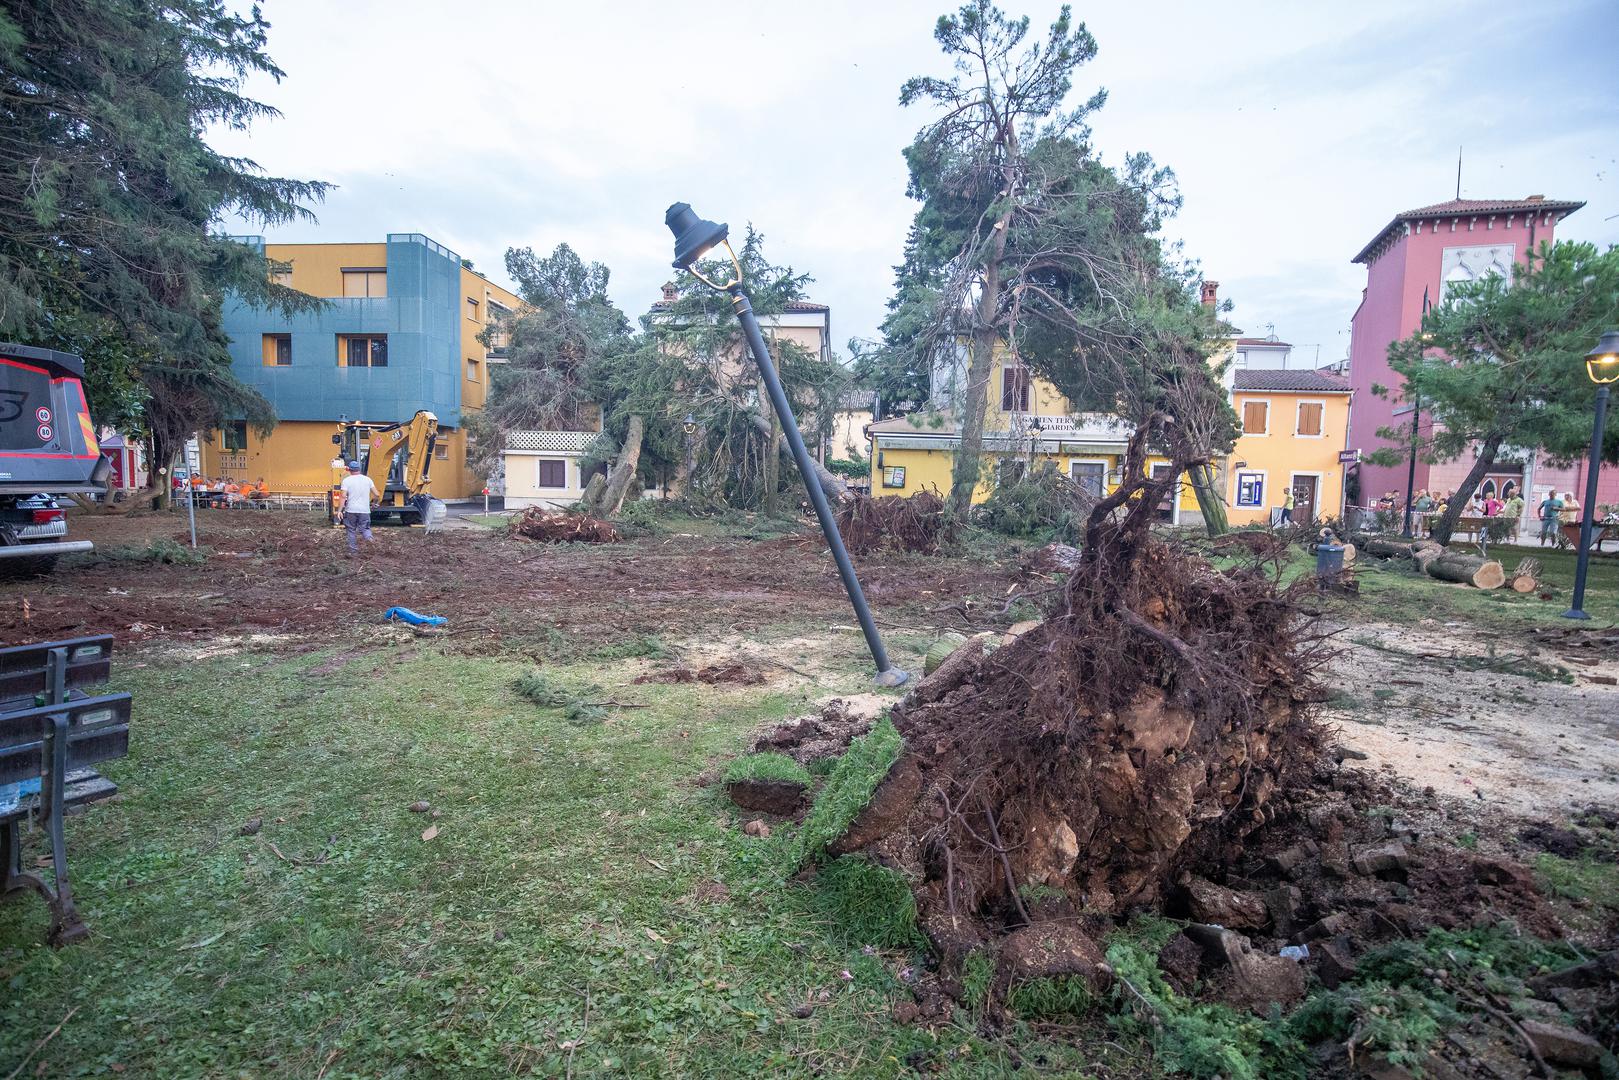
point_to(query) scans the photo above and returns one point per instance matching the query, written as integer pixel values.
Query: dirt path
(1520, 730)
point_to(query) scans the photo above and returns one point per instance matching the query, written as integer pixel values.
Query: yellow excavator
(397, 457)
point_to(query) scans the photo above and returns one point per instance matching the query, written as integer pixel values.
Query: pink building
(1419, 253)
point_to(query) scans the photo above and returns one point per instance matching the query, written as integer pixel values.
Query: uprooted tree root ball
(919, 523)
(563, 527)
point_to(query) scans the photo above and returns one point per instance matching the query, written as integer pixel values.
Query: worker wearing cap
(358, 491)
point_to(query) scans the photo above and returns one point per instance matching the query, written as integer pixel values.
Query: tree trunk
(623, 471)
(1469, 570)
(1458, 502)
(772, 462)
(968, 466)
(833, 486)
(1209, 500)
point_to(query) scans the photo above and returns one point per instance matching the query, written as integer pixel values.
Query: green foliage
(160, 550)
(548, 692)
(110, 199)
(1050, 999)
(849, 788)
(1585, 878)
(649, 646)
(1043, 505)
(768, 766)
(1057, 254)
(1193, 1038)
(542, 689)
(641, 517)
(867, 903)
(855, 468)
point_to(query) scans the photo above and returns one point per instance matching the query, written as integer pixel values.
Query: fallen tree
(918, 523)
(1142, 728)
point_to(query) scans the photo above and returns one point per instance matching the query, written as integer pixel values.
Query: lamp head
(690, 424)
(1602, 362)
(694, 237)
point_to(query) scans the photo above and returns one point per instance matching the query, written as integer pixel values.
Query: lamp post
(694, 238)
(1602, 366)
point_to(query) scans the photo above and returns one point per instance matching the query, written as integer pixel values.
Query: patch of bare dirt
(1486, 719)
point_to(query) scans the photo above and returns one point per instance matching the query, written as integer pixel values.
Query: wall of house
(1392, 310)
(1283, 454)
(523, 476)
(849, 435)
(295, 459)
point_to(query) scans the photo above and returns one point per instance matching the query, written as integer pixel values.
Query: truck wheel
(27, 566)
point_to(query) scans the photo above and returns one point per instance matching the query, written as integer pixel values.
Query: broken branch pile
(1141, 729)
(918, 523)
(563, 527)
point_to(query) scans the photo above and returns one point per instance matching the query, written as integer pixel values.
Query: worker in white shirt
(358, 491)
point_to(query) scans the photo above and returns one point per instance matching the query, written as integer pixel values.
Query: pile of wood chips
(563, 527)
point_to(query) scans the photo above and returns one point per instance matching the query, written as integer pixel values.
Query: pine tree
(108, 193)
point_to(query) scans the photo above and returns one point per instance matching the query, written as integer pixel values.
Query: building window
(369, 281)
(1250, 489)
(441, 451)
(234, 436)
(277, 350)
(472, 370)
(282, 277)
(369, 350)
(894, 476)
(472, 309)
(1014, 389)
(1256, 417)
(1309, 424)
(553, 473)
(1091, 476)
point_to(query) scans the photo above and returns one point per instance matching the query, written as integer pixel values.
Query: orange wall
(317, 269)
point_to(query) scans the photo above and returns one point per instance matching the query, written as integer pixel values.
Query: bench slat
(23, 671)
(104, 737)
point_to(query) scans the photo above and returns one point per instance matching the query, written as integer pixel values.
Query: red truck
(48, 448)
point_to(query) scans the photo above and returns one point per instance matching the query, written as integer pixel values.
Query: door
(1165, 510)
(1304, 493)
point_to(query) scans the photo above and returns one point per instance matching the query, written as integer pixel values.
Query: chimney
(1536, 198)
(1211, 290)
(669, 291)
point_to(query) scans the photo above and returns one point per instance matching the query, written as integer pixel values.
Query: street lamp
(1602, 366)
(694, 238)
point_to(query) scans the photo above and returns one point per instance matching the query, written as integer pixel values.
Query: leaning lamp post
(695, 238)
(1602, 365)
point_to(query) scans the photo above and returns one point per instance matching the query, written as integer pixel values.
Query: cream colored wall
(523, 474)
(849, 435)
(1283, 453)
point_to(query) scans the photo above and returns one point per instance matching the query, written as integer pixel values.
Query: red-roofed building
(1416, 255)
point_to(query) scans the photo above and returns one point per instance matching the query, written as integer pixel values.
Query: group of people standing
(1553, 512)
(223, 490)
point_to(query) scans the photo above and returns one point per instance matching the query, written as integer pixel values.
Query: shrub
(160, 550)
(541, 689)
(1044, 504)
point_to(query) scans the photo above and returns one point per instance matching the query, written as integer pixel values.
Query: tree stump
(1469, 570)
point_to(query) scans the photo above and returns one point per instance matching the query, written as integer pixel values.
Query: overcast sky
(1297, 130)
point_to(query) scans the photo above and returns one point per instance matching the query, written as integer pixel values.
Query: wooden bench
(52, 731)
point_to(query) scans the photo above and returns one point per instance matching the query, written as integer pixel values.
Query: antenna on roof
(1458, 172)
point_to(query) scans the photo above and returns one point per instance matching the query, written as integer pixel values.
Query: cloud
(1297, 130)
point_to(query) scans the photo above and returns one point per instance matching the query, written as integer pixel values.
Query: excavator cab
(399, 460)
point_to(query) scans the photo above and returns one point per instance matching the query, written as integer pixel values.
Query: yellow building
(1026, 420)
(1295, 424)
(400, 332)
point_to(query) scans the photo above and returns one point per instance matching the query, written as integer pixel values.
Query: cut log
(1469, 570)
(1523, 583)
(1424, 552)
(1349, 554)
(1384, 549)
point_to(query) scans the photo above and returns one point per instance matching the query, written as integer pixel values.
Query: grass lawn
(1401, 596)
(583, 907)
